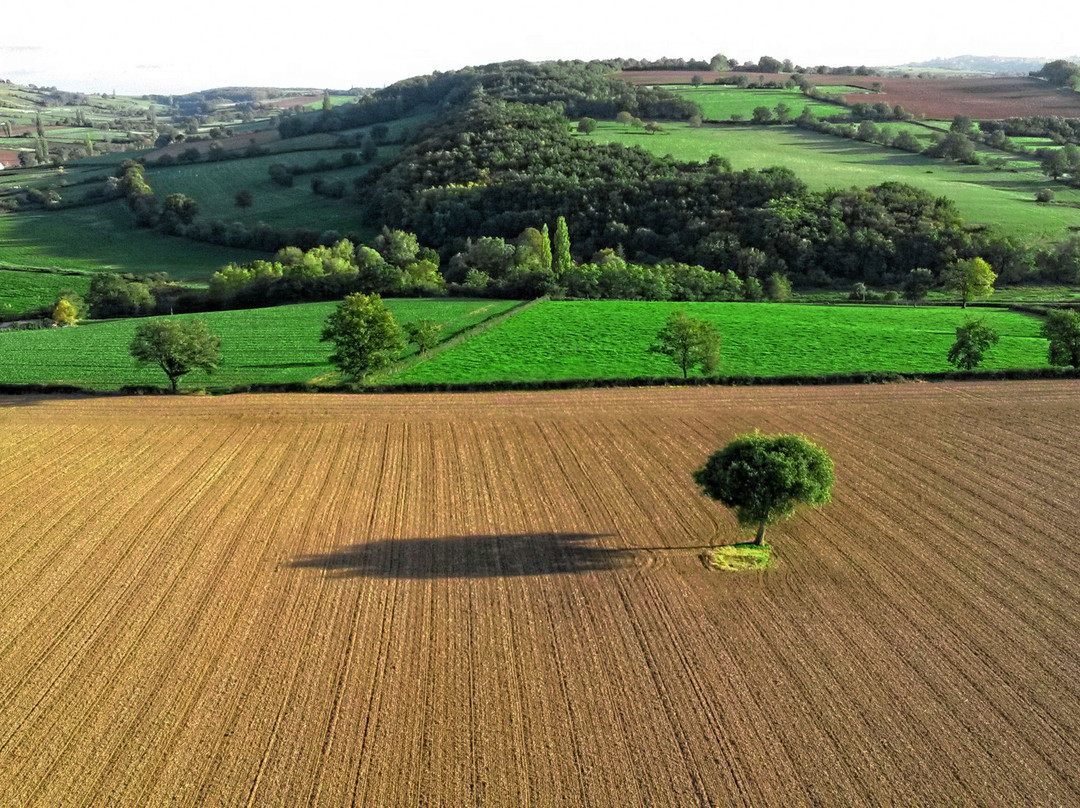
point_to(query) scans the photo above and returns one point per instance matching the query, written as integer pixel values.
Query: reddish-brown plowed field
(294, 101)
(980, 98)
(495, 600)
(239, 141)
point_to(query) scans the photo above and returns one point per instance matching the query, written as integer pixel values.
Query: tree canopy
(177, 347)
(764, 477)
(689, 342)
(1062, 328)
(970, 278)
(973, 339)
(365, 335)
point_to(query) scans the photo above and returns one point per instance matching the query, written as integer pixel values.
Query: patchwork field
(497, 600)
(1003, 198)
(988, 98)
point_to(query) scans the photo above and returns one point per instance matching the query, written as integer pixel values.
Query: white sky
(140, 47)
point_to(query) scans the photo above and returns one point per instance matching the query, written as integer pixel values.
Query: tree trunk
(173, 380)
(760, 540)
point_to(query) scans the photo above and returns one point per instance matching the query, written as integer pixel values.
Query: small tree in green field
(365, 335)
(1062, 328)
(689, 342)
(424, 334)
(764, 477)
(972, 340)
(177, 347)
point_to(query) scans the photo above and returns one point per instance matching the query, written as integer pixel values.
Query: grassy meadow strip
(720, 102)
(611, 339)
(271, 345)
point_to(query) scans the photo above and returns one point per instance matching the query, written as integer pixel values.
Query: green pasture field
(103, 238)
(1035, 142)
(335, 101)
(24, 291)
(720, 101)
(841, 89)
(611, 339)
(323, 140)
(1005, 199)
(214, 185)
(279, 344)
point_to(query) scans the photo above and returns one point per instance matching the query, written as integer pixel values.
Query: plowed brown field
(987, 98)
(495, 600)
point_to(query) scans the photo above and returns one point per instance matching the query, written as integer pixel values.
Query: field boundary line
(46, 270)
(790, 380)
(462, 335)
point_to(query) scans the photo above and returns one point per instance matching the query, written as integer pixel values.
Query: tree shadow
(477, 556)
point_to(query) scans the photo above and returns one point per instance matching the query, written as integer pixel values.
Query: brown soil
(979, 98)
(498, 600)
(238, 142)
(294, 101)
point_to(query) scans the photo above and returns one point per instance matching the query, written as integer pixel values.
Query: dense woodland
(498, 165)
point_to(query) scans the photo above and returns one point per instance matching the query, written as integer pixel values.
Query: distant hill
(982, 64)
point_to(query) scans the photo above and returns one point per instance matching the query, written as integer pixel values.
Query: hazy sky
(139, 47)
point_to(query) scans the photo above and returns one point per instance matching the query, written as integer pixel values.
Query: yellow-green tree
(65, 313)
(970, 279)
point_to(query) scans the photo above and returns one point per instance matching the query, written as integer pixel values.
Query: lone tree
(177, 347)
(763, 477)
(424, 334)
(972, 340)
(587, 125)
(365, 335)
(969, 279)
(244, 199)
(689, 342)
(1062, 328)
(65, 313)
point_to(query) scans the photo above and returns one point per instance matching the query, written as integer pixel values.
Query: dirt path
(494, 600)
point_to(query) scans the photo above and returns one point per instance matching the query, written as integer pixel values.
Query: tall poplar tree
(561, 259)
(545, 248)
